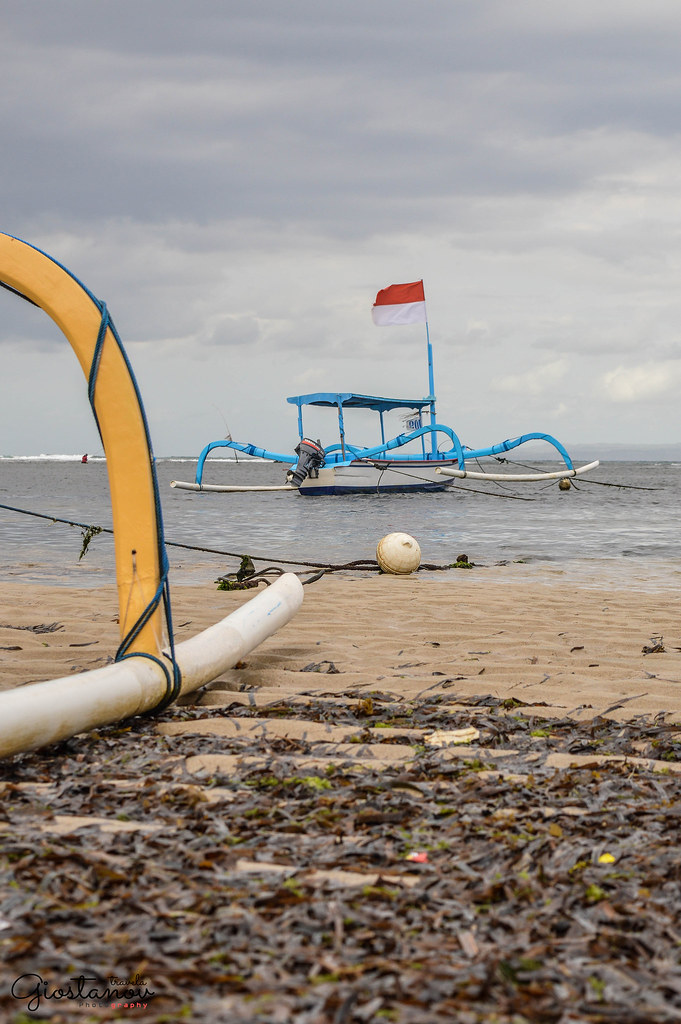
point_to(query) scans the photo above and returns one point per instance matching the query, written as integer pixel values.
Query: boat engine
(310, 461)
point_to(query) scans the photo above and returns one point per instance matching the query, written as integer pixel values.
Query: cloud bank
(238, 179)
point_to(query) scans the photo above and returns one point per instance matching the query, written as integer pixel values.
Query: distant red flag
(400, 304)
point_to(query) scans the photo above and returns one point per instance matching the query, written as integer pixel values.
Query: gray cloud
(220, 110)
(237, 179)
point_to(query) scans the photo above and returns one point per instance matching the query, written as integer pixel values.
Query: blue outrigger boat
(426, 457)
(346, 468)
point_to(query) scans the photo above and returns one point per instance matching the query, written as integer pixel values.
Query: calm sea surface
(630, 534)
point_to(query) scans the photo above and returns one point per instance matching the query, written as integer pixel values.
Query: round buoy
(398, 553)
(564, 484)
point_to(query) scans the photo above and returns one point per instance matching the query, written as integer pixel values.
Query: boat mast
(406, 304)
(431, 390)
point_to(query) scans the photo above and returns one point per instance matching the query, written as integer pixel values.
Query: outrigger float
(437, 458)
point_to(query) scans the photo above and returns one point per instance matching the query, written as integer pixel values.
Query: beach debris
(285, 889)
(43, 627)
(365, 706)
(239, 580)
(443, 737)
(246, 568)
(318, 666)
(462, 562)
(87, 534)
(398, 554)
(656, 646)
(246, 576)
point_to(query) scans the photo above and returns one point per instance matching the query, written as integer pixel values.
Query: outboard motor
(310, 461)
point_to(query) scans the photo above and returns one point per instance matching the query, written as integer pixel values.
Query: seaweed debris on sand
(324, 858)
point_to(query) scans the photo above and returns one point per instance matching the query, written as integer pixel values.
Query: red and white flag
(400, 304)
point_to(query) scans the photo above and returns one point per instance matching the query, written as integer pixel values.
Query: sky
(237, 179)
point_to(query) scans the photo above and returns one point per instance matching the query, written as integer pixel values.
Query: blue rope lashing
(104, 323)
(174, 682)
(163, 591)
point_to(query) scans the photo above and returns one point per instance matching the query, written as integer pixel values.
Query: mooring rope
(584, 480)
(424, 479)
(369, 564)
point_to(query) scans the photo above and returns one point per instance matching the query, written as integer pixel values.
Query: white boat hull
(379, 476)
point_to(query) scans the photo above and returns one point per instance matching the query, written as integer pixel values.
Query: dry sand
(558, 644)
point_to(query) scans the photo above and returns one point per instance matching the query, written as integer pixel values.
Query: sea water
(620, 520)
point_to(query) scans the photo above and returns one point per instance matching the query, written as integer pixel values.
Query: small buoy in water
(564, 484)
(398, 553)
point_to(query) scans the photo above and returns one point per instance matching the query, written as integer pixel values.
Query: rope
(585, 480)
(16, 292)
(235, 581)
(368, 564)
(425, 479)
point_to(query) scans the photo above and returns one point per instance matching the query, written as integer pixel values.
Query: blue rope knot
(173, 683)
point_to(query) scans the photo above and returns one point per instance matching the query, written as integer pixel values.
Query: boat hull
(379, 477)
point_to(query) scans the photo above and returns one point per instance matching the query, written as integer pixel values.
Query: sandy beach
(558, 644)
(403, 803)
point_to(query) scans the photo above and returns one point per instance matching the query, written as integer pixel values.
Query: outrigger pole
(150, 670)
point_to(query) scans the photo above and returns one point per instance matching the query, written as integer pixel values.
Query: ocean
(619, 523)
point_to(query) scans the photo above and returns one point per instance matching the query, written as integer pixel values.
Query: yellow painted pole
(122, 427)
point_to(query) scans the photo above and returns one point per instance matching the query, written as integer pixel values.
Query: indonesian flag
(400, 304)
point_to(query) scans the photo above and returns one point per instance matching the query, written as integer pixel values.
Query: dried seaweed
(496, 887)
(43, 627)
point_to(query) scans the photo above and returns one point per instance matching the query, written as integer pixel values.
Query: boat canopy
(341, 400)
(353, 401)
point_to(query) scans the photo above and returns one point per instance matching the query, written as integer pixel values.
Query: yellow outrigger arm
(115, 400)
(148, 673)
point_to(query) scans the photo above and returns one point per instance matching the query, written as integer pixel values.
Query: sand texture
(561, 647)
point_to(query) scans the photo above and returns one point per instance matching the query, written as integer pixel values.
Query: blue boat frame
(342, 453)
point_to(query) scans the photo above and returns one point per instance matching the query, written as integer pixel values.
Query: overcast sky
(236, 179)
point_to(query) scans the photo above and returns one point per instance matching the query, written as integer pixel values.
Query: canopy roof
(351, 401)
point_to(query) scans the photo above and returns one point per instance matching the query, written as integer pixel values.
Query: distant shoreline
(579, 453)
(626, 452)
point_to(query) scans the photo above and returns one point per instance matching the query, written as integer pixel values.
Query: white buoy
(398, 553)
